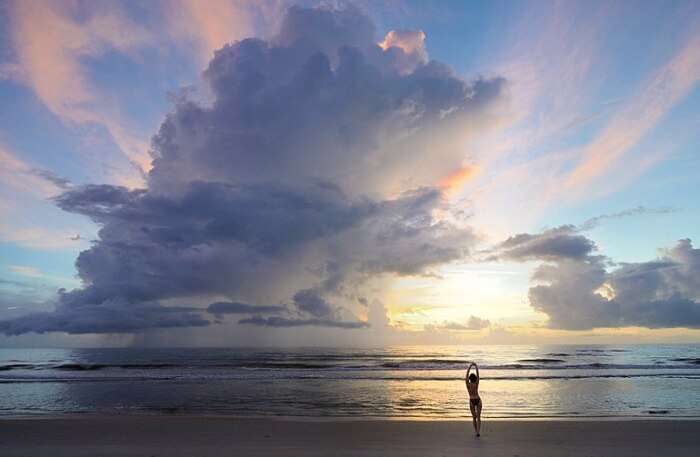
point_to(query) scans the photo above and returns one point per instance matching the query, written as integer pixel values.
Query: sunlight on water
(419, 382)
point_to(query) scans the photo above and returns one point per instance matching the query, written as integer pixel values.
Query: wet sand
(203, 436)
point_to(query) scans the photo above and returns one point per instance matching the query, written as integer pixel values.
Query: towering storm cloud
(314, 169)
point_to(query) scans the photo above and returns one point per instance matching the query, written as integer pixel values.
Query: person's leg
(473, 411)
(478, 418)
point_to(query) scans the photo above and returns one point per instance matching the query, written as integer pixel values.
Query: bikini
(474, 401)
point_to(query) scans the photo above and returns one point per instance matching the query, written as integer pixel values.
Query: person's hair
(472, 377)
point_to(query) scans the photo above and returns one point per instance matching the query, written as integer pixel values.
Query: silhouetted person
(472, 381)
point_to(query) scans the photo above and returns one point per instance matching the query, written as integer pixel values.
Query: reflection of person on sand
(472, 381)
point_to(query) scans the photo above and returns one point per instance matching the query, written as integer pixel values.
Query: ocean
(426, 382)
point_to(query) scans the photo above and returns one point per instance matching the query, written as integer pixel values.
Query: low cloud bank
(578, 288)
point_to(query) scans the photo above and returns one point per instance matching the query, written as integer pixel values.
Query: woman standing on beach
(472, 381)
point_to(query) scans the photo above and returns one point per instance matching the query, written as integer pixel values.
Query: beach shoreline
(309, 418)
(190, 435)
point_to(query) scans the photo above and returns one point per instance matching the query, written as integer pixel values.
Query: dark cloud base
(219, 308)
(281, 322)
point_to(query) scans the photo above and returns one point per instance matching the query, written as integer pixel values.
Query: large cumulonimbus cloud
(313, 169)
(580, 289)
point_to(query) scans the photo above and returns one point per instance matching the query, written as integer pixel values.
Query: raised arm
(472, 364)
(478, 378)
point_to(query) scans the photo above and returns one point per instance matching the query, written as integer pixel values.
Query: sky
(272, 173)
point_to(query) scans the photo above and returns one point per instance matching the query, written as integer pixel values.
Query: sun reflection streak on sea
(403, 382)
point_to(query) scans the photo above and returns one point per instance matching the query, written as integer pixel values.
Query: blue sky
(598, 115)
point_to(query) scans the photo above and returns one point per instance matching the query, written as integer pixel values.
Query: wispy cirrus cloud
(52, 43)
(550, 85)
(56, 44)
(212, 24)
(637, 211)
(24, 270)
(25, 188)
(539, 161)
(18, 175)
(650, 103)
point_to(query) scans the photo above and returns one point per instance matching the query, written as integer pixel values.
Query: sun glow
(458, 292)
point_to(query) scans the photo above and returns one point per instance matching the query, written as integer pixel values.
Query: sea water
(572, 381)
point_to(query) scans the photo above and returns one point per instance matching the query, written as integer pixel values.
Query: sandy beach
(217, 436)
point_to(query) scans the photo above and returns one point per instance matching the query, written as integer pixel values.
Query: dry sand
(199, 436)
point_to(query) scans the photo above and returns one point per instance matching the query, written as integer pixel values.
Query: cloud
(310, 301)
(474, 323)
(533, 155)
(285, 322)
(639, 210)
(10, 71)
(314, 170)
(22, 177)
(454, 182)
(23, 188)
(19, 298)
(53, 39)
(407, 48)
(554, 244)
(578, 289)
(653, 99)
(567, 293)
(211, 25)
(110, 316)
(225, 307)
(53, 178)
(9, 282)
(24, 270)
(563, 242)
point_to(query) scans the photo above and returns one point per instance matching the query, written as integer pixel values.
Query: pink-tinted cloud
(24, 191)
(51, 44)
(409, 47)
(211, 24)
(455, 181)
(552, 82)
(652, 101)
(18, 176)
(11, 71)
